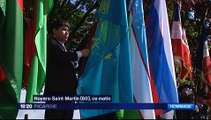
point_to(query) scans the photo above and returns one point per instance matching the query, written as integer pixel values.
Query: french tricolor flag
(180, 46)
(203, 61)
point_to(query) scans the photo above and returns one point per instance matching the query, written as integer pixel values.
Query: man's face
(62, 33)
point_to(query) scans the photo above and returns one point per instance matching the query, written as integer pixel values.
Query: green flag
(38, 64)
(48, 5)
(11, 57)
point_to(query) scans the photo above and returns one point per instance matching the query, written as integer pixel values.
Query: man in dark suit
(60, 73)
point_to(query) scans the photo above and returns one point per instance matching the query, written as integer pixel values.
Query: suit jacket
(60, 73)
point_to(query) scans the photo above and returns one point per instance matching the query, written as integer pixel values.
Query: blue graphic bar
(127, 106)
(116, 106)
(91, 106)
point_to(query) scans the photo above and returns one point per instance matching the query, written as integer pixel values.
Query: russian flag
(160, 53)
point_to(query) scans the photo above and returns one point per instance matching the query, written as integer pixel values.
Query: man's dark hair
(59, 23)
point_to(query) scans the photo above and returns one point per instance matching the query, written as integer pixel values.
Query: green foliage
(80, 15)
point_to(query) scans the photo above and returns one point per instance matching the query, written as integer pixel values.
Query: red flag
(206, 67)
(2, 74)
(181, 51)
(35, 57)
(206, 64)
(29, 38)
(29, 49)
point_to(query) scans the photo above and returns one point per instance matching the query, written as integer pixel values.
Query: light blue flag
(108, 69)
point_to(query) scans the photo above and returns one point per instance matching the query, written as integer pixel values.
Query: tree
(80, 15)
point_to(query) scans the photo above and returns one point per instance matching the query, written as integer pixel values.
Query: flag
(180, 48)
(2, 74)
(11, 58)
(160, 53)
(206, 64)
(108, 69)
(203, 61)
(88, 43)
(140, 62)
(206, 67)
(36, 58)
